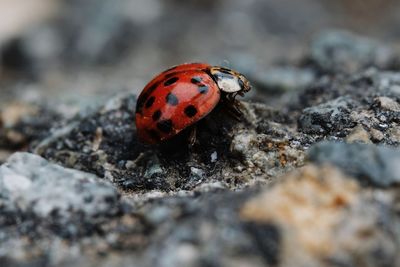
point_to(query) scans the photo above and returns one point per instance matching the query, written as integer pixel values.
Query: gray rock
(315, 200)
(106, 30)
(370, 164)
(170, 205)
(387, 103)
(105, 143)
(281, 79)
(105, 33)
(340, 51)
(332, 116)
(31, 184)
(385, 81)
(23, 123)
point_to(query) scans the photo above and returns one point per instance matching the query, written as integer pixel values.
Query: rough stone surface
(335, 108)
(377, 165)
(283, 79)
(88, 193)
(275, 227)
(321, 216)
(359, 134)
(23, 123)
(104, 143)
(172, 204)
(30, 184)
(338, 51)
(331, 116)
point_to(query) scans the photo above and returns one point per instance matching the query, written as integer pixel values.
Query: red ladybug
(182, 95)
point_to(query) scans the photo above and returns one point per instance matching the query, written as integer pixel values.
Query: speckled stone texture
(307, 177)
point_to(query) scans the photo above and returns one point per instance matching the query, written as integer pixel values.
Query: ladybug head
(230, 81)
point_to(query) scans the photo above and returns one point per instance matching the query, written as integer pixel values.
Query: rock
(341, 51)
(376, 135)
(23, 123)
(31, 185)
(281, 79)
(214, 156)
(394, 133)
(99, 40)
(387, 104)
(15, 112)
(212, 221)
(99, 197)
(332, 116)
(101, 142)
(275, 226)
(105, 143)
(4, 154)
(369, 164)
(358, 134)
(331, 108)
(320, 214)
(271, 152)
(385, 81)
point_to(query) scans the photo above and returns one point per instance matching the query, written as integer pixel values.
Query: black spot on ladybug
(196, 80)
(203, 89)
(165, 126)
(150, 102)
(156, 115)
(139, 107)
(171, 81)
(142, 99)
(172, 99)
(153, 134)
(169, 75)
(152, 88)
(190, 111)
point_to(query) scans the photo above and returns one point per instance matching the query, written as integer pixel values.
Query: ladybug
(182, 95)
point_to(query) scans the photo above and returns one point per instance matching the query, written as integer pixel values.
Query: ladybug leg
(230, 97)
(234, 111)
(192, 136)
(233, 106)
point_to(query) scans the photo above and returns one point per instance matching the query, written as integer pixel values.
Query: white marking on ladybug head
(229, 85)
(230, 81)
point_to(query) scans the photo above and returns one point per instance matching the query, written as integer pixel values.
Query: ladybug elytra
(182, 95)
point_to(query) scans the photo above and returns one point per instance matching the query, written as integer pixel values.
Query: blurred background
(71, 53)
